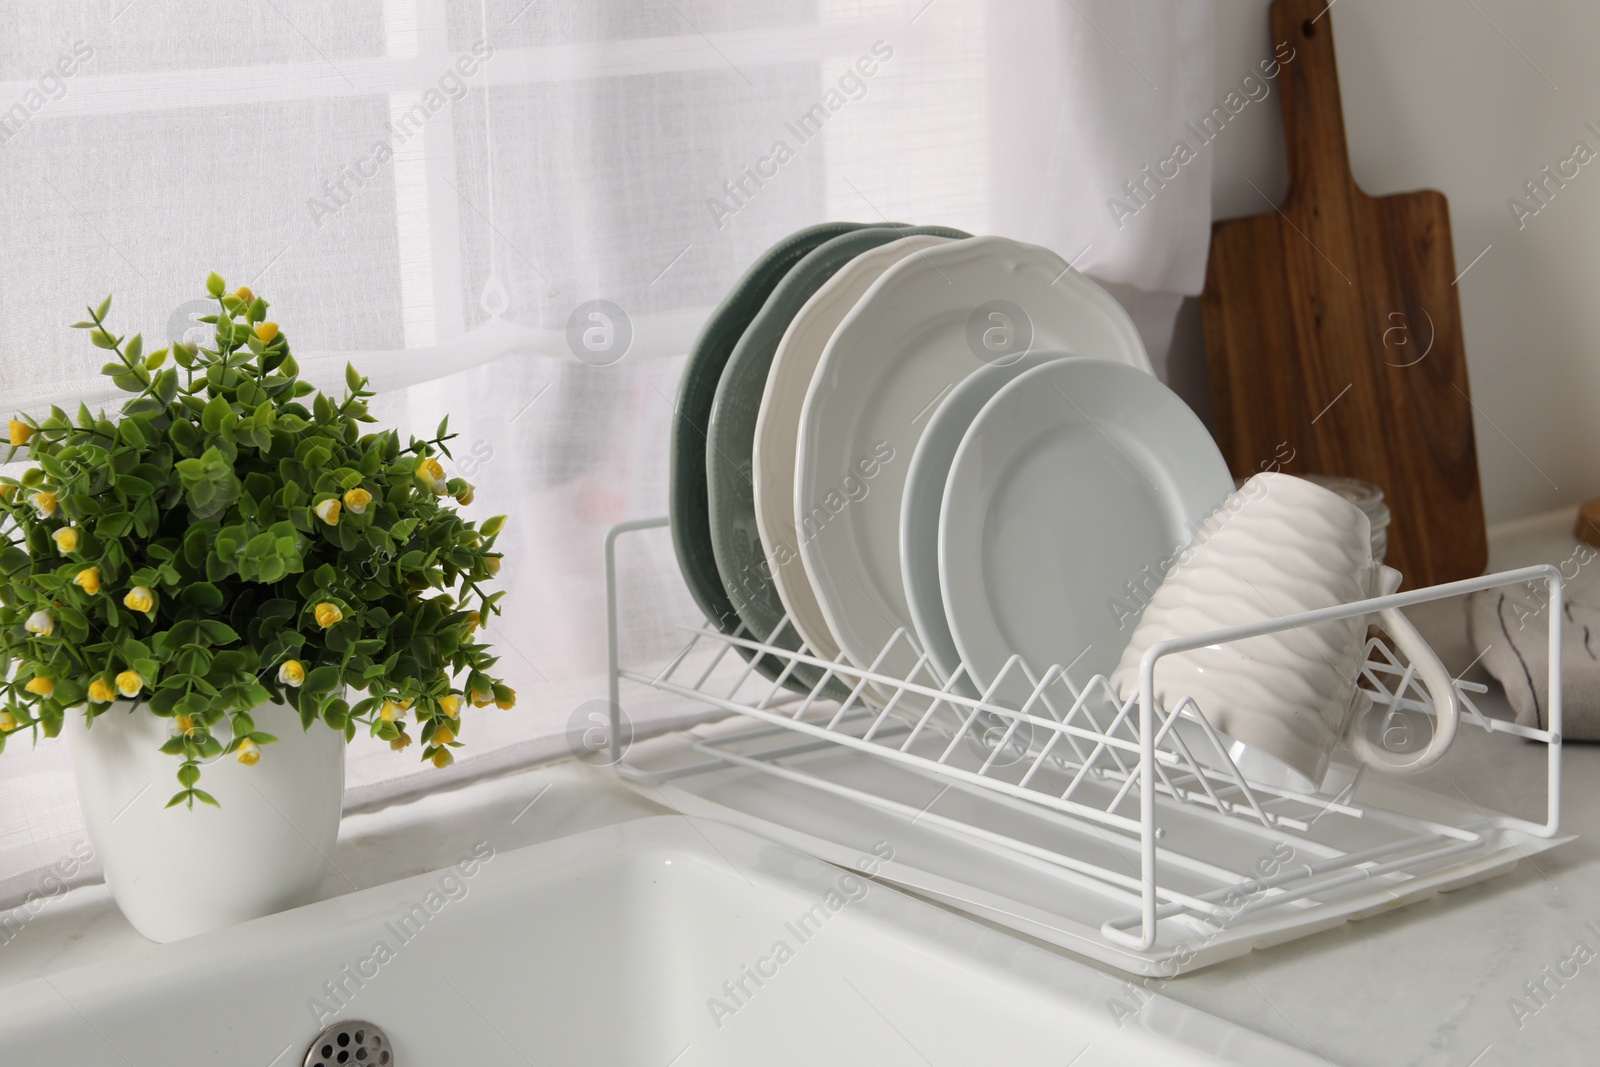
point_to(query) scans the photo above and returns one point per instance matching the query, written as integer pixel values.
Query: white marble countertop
(1433, 983)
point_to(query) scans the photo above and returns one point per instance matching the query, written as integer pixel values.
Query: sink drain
(349, 1044)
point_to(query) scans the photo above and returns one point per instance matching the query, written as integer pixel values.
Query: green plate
(741, 558)
(687, 503)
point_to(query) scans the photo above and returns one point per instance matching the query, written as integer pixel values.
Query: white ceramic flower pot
(176, 872)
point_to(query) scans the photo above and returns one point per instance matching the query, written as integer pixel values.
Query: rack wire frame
(1130, 750)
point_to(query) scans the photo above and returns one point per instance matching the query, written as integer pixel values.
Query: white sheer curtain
(432, 187)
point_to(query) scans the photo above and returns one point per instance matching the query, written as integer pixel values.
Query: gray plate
(741, 558)
(687, 503)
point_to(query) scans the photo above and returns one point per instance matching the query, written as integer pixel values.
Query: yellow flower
(492, 563)
(45, 502)
(249, 753)
(266, 331)
(88, 580)
(465, 497)
(357, 500)
(393, 709)
(509, 702)
(129, 683)
(20, 432)
(328, 614)
(184, 723)
(8, 722)
(450, 704)
(328, 511)
(40, 686)
(293, 672)
(100, 692)
(443, 758)
(244, 293)
(40, 623)
(431, 475)
(66, 539)
(472, 621)
(481, 698)
(400, 742)
(139, 598)
(443, 735)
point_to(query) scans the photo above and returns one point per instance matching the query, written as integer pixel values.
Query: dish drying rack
(1116, 772)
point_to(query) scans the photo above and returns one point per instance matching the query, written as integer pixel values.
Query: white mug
(1283, 701)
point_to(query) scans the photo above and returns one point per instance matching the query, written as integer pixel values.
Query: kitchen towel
(1510, 628)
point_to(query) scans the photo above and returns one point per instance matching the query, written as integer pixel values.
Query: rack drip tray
(1229, 885)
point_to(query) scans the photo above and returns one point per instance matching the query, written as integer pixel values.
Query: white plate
(924, 496)
(778, 425)
(902, 348)
(1073, 488)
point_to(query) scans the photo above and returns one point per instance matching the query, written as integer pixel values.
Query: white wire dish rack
(1082, 819)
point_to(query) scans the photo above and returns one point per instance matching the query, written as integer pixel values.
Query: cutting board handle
(1313, 120)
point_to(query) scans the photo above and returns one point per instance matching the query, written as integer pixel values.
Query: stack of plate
(917, 450)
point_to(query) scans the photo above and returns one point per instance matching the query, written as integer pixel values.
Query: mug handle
(1441, 690)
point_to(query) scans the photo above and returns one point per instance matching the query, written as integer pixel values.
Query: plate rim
(976, 252)
(729, 484)
(689, 518)
(927, 611)
(964, 624)
(807, 618)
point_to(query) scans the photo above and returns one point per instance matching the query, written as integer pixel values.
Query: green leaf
(218, 633)
(184, 435)
(216, 414)
(166, 383)
(202, 595)
(320, 680)
(214, 284)
(205, 798)
(164, 701)
(134, 486)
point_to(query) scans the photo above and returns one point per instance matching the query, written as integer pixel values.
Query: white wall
(1436, 96)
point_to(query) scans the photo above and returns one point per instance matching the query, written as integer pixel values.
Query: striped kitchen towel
(1510, 630)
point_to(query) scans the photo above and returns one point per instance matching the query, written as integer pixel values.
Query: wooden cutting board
(1333, 329)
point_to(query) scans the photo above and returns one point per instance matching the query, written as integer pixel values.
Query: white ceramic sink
(656, 943)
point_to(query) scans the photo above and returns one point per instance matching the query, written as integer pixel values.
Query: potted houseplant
(222, 585)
